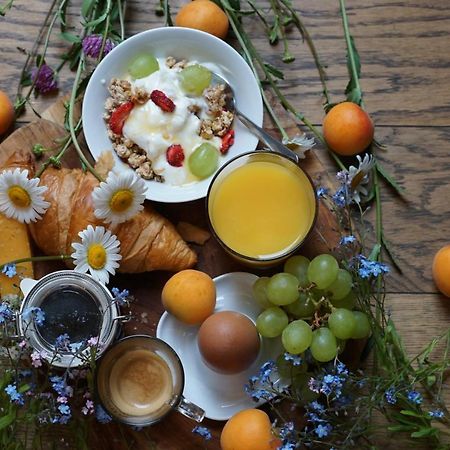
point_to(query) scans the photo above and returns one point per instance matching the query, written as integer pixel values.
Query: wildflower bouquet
(320, 397)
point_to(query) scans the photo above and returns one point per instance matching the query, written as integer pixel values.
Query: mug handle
(190, 410)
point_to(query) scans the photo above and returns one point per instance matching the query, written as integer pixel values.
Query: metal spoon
(272, 143)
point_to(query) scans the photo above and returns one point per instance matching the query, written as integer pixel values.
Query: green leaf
(401, 428)
(352, 91)
(86, 7)
(389, 179)
(274, 71)
(424, 432)
(235, 4)
(69, 37)
(7, 420)
(407, 412)
(96, 21)
(375, 252)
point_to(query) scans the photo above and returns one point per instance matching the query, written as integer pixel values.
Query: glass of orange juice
(261, 206)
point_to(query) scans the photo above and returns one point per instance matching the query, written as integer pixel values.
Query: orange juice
(262, 209)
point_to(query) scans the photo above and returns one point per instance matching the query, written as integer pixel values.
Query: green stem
(36, 259)
(354, 71)
(71, 120)
(121, 18)
(305, 34)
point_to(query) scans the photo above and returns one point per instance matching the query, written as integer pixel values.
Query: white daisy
(20, 198)
(359, 176)
(119, 198)
(300, 144)
(97, 253)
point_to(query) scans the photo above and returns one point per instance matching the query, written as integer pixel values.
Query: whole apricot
(6, 112)
(441, 270)
(189, 295)
(348, 129)
(249, 429)
(203, 15)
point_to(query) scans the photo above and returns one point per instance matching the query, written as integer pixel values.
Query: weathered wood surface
(404, 53)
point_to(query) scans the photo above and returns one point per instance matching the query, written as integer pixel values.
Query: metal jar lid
(100, 299)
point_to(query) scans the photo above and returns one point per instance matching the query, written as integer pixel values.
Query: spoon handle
(272, 143)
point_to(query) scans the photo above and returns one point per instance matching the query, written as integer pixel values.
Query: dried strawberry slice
(227, 141)
(160, 99)
(118, 117)
(175, 155)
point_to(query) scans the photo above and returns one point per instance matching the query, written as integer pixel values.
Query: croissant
(148, 241)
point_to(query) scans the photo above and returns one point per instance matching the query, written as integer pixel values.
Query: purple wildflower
(44, 79)
(92, 45)
(15, 396)
(437, 414)
(345, 240)
(415, 397)
(121, 297)
(390, 396)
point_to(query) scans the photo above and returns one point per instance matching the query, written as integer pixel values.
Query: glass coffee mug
(140, 379)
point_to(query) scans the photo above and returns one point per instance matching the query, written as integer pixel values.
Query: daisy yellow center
(96, 256)
(357, 179)
(121, 200)
(19, 196)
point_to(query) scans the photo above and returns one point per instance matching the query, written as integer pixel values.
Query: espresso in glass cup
(140, 379)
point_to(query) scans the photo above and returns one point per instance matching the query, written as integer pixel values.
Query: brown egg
(228, 342)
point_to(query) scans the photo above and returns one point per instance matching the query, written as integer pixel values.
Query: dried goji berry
(160, 99)
(227, 141)
(175, 155)
(118, 117)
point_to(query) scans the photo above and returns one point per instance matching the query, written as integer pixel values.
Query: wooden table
(405, 70)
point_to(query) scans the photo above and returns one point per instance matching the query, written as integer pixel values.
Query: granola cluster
(121, 92)
(123, 97)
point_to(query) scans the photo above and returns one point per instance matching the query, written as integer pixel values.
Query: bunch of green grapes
(310, 304)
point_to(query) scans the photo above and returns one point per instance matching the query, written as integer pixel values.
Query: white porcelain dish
(181, 43)
(219, 395)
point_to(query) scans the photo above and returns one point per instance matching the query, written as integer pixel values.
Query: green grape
(271, 322)
(341, 286)
(342, 323)
(296, 337)
(195, 79)
(143, 66)
(362, 326)
(203, 160)
(347, 302)
(287, 370)
(282, 289)
(323, 345)
(259, 292)
(303, 307)
(298, 266)
(323, 270)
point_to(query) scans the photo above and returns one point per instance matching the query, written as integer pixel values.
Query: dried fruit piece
(175, 155)
(118, 117)
(160, 99)
(227, 141)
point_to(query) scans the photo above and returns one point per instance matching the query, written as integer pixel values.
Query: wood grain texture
(403, 46)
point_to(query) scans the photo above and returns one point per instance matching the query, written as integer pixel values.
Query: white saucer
(219, 395)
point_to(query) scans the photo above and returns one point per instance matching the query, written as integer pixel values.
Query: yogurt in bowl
(195, 47)
(167, 121)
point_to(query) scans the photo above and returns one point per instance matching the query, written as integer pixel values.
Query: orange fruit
(348, 129)
(190, 295)
(441, 270)
(6, 112)
(203, 15)
(249, 429)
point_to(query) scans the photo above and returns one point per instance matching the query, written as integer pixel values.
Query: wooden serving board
(173, 433)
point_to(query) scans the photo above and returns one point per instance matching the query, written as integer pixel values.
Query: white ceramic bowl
(180, 43)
